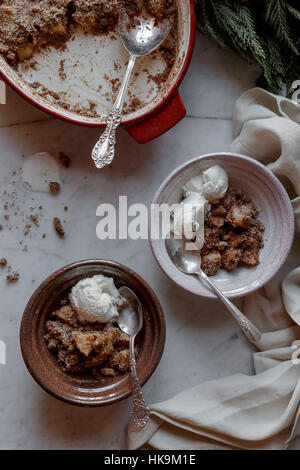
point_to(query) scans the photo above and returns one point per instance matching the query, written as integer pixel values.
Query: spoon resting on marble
(130, 321)
(189, 262)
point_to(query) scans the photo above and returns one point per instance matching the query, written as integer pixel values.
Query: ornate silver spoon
(131, 322)
(189, 262)
(140, 39)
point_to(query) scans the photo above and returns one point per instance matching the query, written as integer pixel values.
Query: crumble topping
(97, 349)
(28, 26)
(25, 27)
(161, 8)
(34, 219)
(132, 8)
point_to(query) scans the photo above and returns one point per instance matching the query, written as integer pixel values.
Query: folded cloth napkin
(259, 411)
(267, 128)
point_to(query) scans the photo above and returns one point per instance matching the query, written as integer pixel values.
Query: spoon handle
(141, 412)
(104, 150)
(252, 333)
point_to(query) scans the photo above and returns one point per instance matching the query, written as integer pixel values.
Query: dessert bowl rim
(26, 343)
(278, 186)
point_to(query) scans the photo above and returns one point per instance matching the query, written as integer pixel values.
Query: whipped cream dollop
(95, 299)
(199, 192)
(187, 217)
(215, 183)
(194, 185)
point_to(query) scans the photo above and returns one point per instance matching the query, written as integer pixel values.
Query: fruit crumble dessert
(28, 26)
(93, 348)
(221, 222)
(84, 335)
(158, 8)
(232, 234)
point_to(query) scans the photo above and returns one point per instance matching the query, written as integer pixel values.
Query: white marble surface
(203, 342)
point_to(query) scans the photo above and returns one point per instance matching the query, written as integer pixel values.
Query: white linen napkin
(267, 127)
(259, 411)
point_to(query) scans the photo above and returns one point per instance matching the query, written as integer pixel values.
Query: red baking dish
(158, 112)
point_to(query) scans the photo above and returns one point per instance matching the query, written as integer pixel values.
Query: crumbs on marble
(18, 216)
(64, 159)
(13, 277)
(54, 187)
(26, 229)
(35, 219)
(58, 227)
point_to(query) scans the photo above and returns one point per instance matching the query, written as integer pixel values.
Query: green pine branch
(276, 16)
(265, 32)
(293, 11)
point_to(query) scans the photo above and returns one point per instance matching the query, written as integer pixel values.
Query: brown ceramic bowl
(41, 363)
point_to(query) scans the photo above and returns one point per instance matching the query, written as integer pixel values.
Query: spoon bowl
(189, 262)
(141, 35)
(146, 34)
(131, 322)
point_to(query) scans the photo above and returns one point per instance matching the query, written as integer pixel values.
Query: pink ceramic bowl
(267, 192)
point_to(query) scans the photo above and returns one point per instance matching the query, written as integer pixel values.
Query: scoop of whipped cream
(95, 299)
(199, 192)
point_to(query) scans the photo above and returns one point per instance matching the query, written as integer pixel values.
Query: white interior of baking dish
(91, 67)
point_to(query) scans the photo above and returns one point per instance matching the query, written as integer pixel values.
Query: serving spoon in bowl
(140, 35)
(130, 321)
(189, 262)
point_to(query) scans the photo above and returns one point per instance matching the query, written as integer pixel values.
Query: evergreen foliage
(261, 31)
